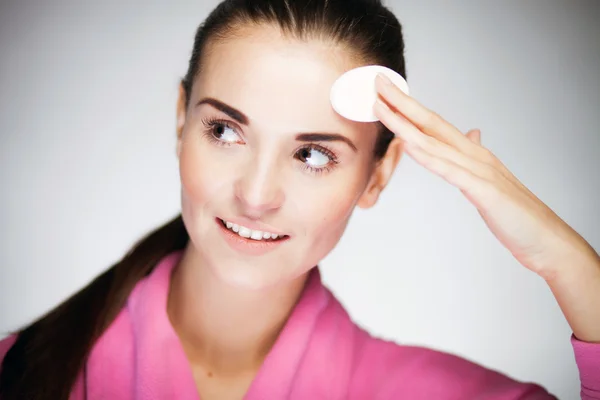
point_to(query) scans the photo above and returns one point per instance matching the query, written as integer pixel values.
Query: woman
(224, 301)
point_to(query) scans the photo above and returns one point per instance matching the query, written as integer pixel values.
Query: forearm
(576, 287)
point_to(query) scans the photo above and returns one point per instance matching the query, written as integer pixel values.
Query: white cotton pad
(353, 94)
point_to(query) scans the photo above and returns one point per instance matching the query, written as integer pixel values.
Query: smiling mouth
(251, 234)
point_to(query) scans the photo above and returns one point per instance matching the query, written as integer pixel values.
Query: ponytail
(48, 355)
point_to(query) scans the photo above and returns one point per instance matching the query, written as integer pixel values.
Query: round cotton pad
(353, 94)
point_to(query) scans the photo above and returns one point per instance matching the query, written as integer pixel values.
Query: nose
(258, 190)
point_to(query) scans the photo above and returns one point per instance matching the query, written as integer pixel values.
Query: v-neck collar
(162, 369)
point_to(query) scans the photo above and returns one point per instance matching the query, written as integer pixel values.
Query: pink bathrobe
(320, 354)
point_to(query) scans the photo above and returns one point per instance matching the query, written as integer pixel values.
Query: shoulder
(381, 369)
(417, 372)
(5, 345)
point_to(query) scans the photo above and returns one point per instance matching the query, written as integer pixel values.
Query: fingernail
(384, 79)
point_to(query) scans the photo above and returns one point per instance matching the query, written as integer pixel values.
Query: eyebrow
(325, 137)
(227, 109)
(301, 137)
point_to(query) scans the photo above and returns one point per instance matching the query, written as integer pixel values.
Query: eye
(225, 133)
(316, 158)
(221, 132)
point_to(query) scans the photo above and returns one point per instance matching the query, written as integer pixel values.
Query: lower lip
(246, 245)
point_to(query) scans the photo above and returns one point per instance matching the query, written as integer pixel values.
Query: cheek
(327, 212)
(202, 178)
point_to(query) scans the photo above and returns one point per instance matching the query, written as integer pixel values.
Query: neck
(225, 329)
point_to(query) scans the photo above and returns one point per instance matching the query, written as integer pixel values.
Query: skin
(228, 308)
(540, 240)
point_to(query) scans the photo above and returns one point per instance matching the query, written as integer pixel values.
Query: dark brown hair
(48, 355)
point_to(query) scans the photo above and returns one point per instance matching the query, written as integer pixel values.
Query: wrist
(576, 259)
(575, 283)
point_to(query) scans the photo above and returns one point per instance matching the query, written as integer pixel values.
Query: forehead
(278, 80)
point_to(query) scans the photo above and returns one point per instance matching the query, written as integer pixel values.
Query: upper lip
(254, 225)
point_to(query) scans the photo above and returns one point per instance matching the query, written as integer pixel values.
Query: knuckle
(422, 142)
(486, 156)
(428, 143)
(489, 172)
(433, 119)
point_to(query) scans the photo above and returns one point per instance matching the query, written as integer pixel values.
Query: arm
(575, 286)
(587, 356)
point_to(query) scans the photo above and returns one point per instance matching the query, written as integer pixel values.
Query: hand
(534, 234)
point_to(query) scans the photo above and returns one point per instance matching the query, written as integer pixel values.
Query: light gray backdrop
(87, 165)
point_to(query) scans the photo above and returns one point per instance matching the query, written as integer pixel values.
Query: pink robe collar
(320, 354)
(140, 355)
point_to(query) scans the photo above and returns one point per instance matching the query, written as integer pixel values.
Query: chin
(252, 277)
(246, 277)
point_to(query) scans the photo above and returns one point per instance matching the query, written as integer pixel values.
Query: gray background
(87, 165)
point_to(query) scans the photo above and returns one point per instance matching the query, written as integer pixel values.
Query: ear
(181, 115)
(382, 174)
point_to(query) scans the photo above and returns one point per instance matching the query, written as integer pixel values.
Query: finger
(474, 135)
(414, 138)
(424, 119)
(396, 123)
(473, 186)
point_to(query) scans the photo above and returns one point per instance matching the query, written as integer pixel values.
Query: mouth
(251, 234)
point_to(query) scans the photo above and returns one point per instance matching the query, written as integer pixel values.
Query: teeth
(250, 233)
(245, 232)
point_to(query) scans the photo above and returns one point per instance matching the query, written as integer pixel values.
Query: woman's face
(261, 147)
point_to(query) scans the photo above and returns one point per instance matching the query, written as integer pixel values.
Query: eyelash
(322, 149)
(211, 123)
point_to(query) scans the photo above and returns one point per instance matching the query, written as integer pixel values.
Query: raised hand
(535, 235)
(528, 228)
